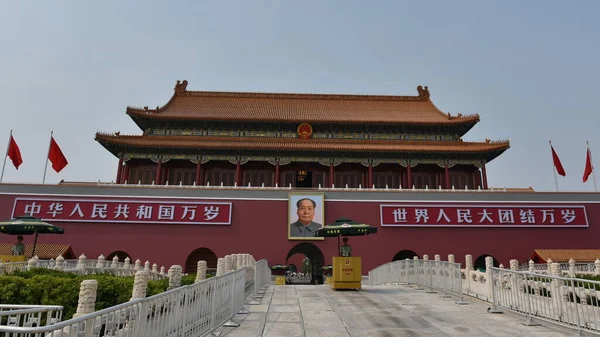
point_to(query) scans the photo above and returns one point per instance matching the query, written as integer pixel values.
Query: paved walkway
(381, 311)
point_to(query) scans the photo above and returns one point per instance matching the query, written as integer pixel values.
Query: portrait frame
(319, 216)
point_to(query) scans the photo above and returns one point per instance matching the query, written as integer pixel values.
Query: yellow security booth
(347, 269)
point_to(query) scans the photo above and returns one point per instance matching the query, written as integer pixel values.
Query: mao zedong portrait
(305, 226)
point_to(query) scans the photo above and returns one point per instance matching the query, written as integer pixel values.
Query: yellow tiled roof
(564, 255)
(44, 251)
(308, 108)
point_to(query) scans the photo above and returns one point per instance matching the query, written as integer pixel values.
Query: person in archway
(346, 249)
(18, 248)
(305, 226)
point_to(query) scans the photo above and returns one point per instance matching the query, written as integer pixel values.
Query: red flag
(557, 163)
(588, 166)
(56, 156)
(14, 153)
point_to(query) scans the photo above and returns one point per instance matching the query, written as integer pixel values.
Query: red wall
(259, 227)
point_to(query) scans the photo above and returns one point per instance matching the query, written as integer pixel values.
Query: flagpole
(47, 156)
(553, 167)
(7, 148)
(591, 162)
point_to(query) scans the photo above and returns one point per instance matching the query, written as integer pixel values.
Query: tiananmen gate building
(215, 173)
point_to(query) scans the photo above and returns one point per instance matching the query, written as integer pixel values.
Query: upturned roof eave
(142, 119)
(488, 154)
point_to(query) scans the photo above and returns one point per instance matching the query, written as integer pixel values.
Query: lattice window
(185, 176)
(143, 174)
(383, 178)
(460, 180)
(215, 176)
(352, 178)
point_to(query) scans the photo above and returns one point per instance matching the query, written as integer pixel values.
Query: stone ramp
(381, 311)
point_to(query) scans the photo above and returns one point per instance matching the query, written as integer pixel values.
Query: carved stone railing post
(437, 257)
(451, 258)
(514, 264)
(234, 261)
(60, 261)
(100, 263)
(31, 263)
(556, 289)
(1, 268)
(87, 298)
(468, 268)
(221, 266)
(137, 266)
(549, 266)
(531, 266)
(174, 277)
(162, 270)
(489, 264)
(115, 262)
(201, 271)
(425, 257)
(571, 268)
(597, 267)
(154, 268)
(81, 263)
(228, 266)
(140, 285)
(469, 262)
(239, 261)
(127, 264)
(147, 266)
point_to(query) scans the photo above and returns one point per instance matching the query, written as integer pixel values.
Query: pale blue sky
(529, 68)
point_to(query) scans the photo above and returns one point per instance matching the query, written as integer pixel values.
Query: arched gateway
(405, 254)
(480, 262)
(121, 255)
(316, 258)
(191, 263)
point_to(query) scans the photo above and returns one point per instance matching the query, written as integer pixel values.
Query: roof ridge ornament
(180, 87)
(423, 92)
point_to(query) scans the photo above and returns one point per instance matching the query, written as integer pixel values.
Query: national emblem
(304, 130)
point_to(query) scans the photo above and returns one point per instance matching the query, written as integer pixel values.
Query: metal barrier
(439, 275)
(30, 315)
(192, 310)
(262, 277)
(567, 301)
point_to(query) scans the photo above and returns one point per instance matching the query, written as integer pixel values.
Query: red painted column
(119, 170)
(370, 178)
(475, 183)
(331, 175)
(125, 174)
(199, 173)
(158, 173)
(408, 176)
(484, 174)
(238, 173)
(447, 176)
(277, 173)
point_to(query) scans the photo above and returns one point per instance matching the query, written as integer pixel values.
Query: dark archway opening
(201, 254)
(405, 254)
(119, 254)
(480, 262)
(314, 254)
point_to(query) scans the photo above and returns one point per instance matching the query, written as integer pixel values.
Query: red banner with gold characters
(483, 215)
(125, 211)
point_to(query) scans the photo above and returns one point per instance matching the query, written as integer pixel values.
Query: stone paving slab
(381, 311)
